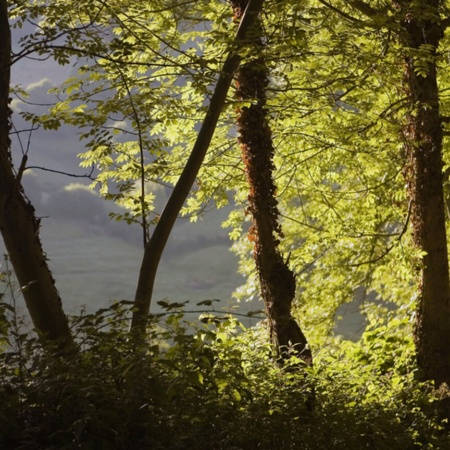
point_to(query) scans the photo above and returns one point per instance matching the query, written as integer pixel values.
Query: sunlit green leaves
(146, 72)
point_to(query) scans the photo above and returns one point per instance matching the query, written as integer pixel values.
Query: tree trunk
(423, 172)
(277, 281)
(18, 223)
(158, 240)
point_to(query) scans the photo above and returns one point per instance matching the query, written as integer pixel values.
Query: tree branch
(72, 175)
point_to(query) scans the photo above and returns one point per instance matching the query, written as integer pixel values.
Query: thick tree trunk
(18, 223)
(157, 243)
(277, 281)
(423, 173)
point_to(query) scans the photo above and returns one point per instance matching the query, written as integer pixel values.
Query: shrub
(211, 385)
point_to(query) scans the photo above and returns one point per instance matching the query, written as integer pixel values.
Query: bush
(211, 385)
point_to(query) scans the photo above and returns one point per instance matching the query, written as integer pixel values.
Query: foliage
(211, 385)
(335, 110)
(143, 76)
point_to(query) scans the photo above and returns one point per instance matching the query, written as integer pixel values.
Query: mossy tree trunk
(19, 225)
(421, 32)
(277, 281)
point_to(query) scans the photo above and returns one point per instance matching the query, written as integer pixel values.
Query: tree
(155, 247)
(18, 223)
(420, 35)
(419, 29)
(276, 279)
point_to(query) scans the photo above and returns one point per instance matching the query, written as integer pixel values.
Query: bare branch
(73, 175)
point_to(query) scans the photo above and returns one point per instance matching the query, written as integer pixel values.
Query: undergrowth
(210, 385)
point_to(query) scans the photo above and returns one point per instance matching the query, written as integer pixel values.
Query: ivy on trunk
(277, 281)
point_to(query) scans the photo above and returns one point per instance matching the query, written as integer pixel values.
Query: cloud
(38, 97)
(27, 70)
(39, 84)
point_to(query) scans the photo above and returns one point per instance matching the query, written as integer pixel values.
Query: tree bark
(277, 281)
(423, 173)
(18, 223)
(155, 247)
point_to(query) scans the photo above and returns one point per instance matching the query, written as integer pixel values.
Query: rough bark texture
(277, 281)
(18, 223)
(157, 243)
(423, 173)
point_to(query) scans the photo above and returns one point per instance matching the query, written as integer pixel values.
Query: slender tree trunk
(423, 173)
(158, 240)
(277, 281)
(18, 223)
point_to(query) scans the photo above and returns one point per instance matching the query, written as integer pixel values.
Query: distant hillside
(95, 260)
